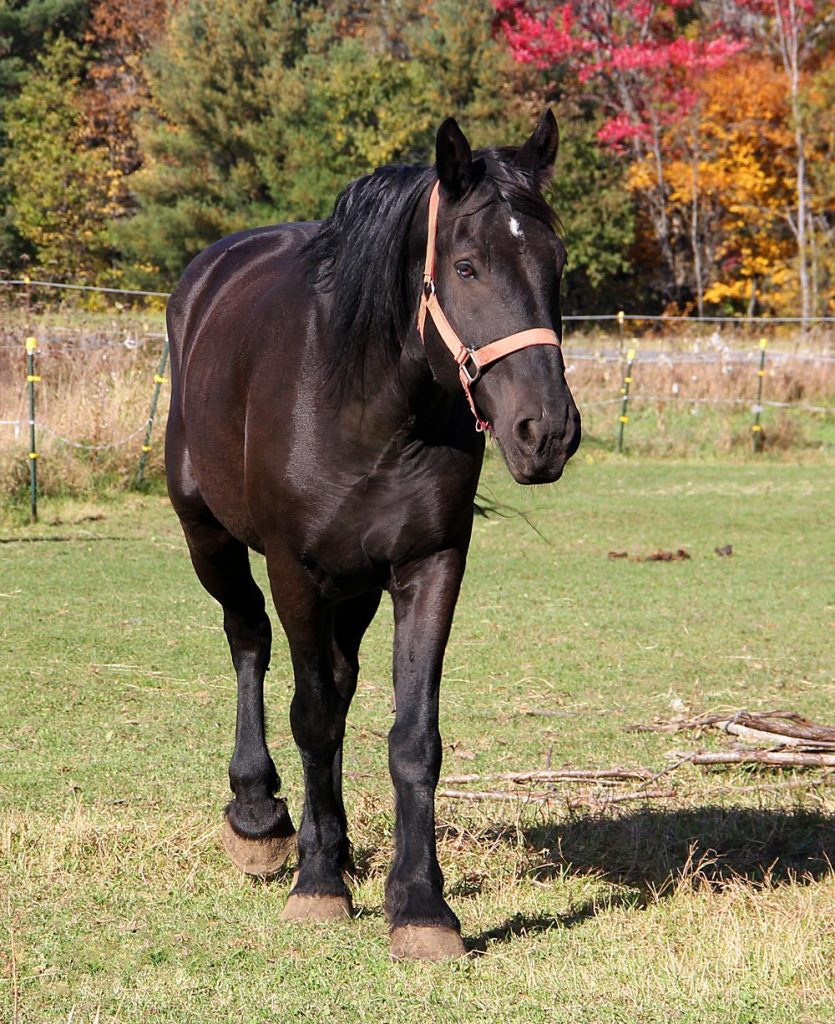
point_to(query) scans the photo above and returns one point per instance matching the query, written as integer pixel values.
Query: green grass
(713, 904)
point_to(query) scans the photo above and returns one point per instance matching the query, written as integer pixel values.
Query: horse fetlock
(320, 877)
(258, 814)
(421, 906)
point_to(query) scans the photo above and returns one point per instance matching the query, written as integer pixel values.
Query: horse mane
(361, 255)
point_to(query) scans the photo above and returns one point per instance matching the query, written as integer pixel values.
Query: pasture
(715, 902)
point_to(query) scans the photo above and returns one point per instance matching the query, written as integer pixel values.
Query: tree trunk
(694, 233)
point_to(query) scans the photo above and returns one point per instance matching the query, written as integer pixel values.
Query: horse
(326, 413)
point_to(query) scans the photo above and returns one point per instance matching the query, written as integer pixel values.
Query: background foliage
(695, 171)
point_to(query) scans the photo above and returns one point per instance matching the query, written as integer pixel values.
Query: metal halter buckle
(472, 377)
(428, 288)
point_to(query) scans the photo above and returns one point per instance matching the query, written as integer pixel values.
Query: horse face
(498, 268)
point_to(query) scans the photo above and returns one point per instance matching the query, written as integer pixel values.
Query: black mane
(360, 254)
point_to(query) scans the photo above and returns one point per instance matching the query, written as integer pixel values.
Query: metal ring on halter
(472, 377)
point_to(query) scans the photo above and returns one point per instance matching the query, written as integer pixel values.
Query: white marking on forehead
(516, 228)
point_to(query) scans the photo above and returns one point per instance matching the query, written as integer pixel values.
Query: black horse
(318, 417)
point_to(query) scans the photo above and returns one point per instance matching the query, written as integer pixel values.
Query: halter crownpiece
(470, 361)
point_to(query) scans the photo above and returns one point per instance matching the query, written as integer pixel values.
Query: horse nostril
(530, 434)
(523, 432)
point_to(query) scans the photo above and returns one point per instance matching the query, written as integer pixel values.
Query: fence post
(32, 379)
(757, 429)
(159, 380)
(624, 401)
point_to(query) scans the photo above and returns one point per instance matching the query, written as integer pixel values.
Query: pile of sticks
(784, 739)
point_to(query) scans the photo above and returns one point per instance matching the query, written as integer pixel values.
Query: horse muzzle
(539, 446)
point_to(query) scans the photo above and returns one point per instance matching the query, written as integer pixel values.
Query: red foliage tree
(637, 58)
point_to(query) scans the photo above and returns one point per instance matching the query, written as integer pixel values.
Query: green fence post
(624, 401)
(159, 380)
(757, 428)
(32, 379)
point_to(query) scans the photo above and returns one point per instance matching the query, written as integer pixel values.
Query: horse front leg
(325, 679)
(422, 924)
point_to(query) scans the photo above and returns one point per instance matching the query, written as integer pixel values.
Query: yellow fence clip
(160, 380)
(33, 455)
(630, 355)
(146, 447)
(31, 344)
(624, 419)
(621, 317)
(32, 378)
(763, 342)
(757, 428)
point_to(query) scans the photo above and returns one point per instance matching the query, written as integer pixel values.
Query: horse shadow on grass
(649, 854)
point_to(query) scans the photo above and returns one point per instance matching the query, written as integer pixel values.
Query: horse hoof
(306, 907)
(427, 942)
(263, 857)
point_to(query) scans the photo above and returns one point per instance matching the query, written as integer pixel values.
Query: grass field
(713, 903)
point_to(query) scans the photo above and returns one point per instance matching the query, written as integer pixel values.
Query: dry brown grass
(92, 402)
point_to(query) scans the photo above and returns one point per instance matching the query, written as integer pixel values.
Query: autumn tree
(798, 34)
(639, 59)
(120, 34)
(58, 182)
(738, 154)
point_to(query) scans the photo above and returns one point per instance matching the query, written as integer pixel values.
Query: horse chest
(357, 530)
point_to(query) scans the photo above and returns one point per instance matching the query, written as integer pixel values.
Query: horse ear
(539, 153)
(453, 159)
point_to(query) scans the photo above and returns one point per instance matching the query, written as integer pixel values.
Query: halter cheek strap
(471, 362)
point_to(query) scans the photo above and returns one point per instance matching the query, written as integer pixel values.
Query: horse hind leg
(258, 834)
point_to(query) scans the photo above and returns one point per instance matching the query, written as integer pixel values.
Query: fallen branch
(781, 758)
(776, 723)
(790, 730)
(540, 712)
(556, 775)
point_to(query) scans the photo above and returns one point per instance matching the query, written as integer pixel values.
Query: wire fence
(624, 374)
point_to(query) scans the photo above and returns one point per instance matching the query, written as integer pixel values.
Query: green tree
(215, 82)
(598, 218)
(350, 109)
(58, 185)
(26, 28)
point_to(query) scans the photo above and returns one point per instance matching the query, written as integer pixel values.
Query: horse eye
(465, 269)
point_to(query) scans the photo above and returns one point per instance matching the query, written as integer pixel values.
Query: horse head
(490, 312)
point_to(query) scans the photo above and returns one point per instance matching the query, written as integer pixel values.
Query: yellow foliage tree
(730, 185)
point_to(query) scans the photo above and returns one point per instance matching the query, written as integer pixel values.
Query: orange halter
(470, 361)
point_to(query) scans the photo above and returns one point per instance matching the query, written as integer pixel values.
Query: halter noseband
(470, 361)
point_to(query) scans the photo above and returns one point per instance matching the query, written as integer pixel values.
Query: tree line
(696, 167)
